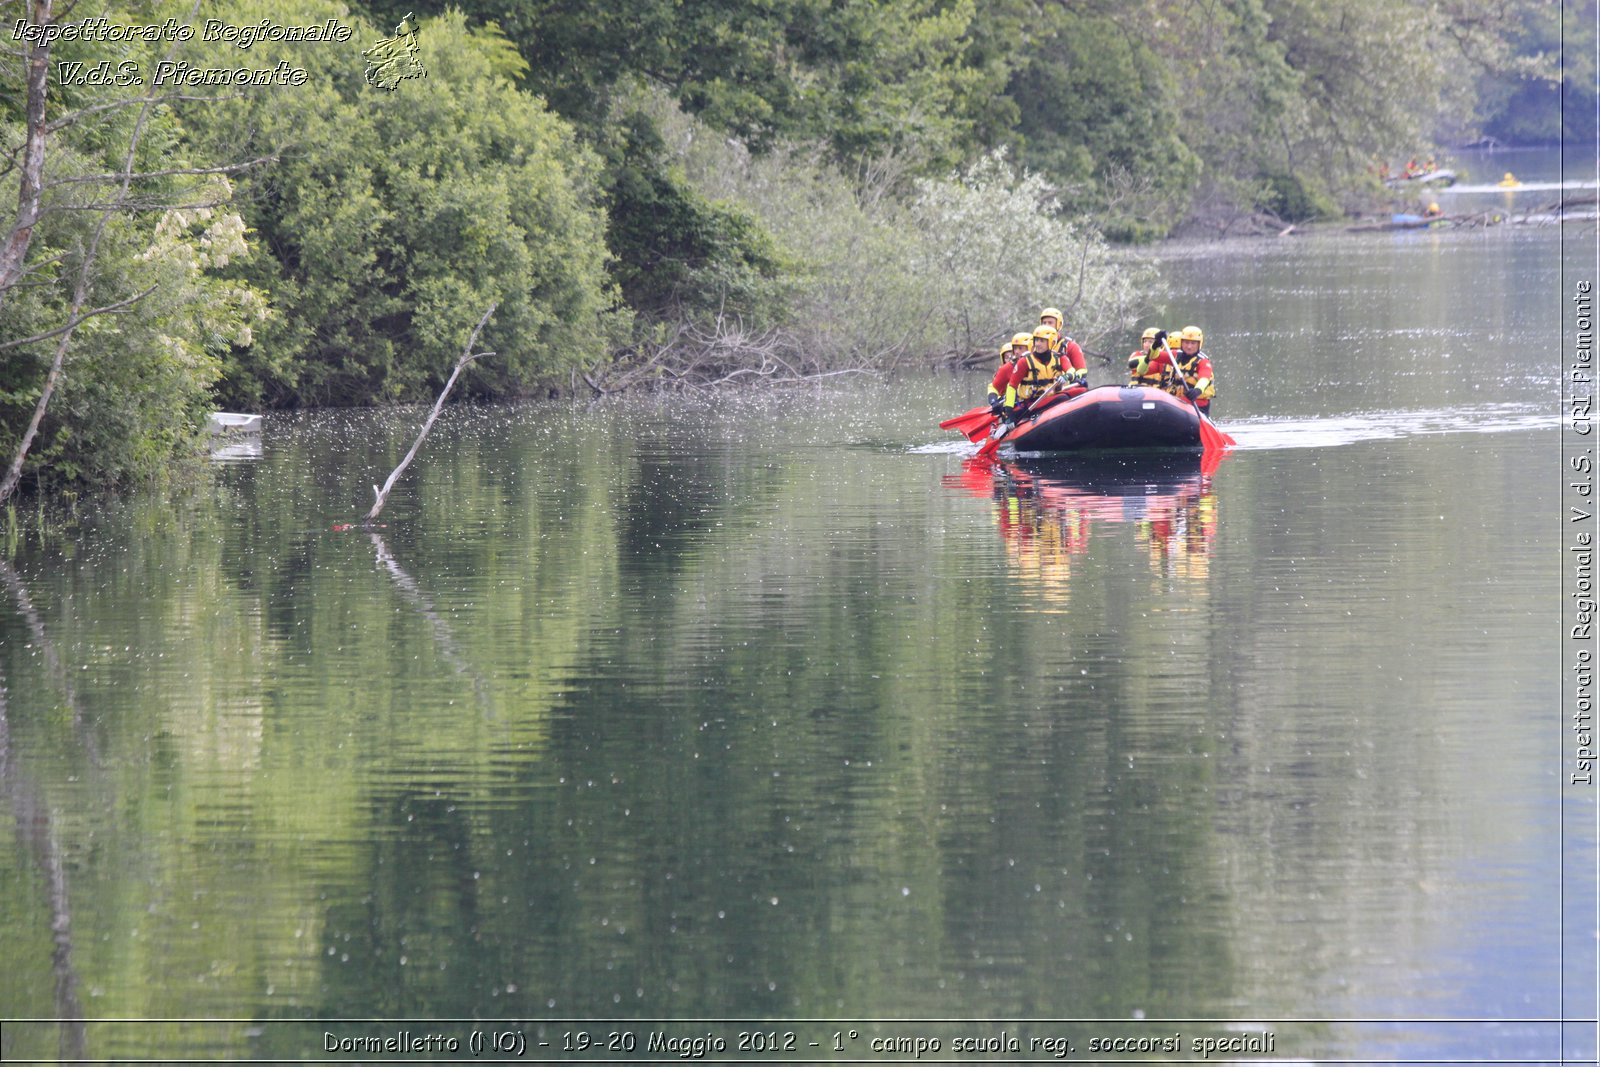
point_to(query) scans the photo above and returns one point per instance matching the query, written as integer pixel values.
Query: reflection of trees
(755, 702)
(58, 673)
(38, 833)
(879, 836)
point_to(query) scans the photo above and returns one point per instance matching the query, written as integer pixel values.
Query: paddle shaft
(993, 443)
(1215, 438)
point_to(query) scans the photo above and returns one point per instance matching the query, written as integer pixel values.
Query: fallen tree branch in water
(467, 356)
(699, 356)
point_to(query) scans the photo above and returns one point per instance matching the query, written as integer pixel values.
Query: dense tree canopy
(863, 75)
(1144, 112)
(123, 273)
(396, 218)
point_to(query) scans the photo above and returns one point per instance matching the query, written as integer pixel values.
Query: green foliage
(1101, 117)
(858, 292)
(678, 254)
(1286, 95)
(395, 218)
(1521, 107)
(1295, 199)
(946, 271)
(1000, 248)
(138, 388)
(134, 390)
(864, 76)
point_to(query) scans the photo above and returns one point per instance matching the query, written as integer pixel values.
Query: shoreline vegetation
(657, 195)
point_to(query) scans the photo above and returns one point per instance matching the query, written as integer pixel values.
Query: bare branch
(102, 179)
(134, 204)
(72, 323)
(67, 120)
(467, 356)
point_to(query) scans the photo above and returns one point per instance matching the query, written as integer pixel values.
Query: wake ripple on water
(954, 447)
(1351, 428)
(1378, 425)
(1528, 187)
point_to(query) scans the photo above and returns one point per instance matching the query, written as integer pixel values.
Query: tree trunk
(14, 254)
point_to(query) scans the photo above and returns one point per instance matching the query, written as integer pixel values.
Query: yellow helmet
(1149, 335)
(1023, 339)
(1052, 313)
(1047, 333)
(1192, 333)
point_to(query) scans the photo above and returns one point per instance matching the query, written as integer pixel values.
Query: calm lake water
(771, 708)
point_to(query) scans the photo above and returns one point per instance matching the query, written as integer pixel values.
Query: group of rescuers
(1047, 358)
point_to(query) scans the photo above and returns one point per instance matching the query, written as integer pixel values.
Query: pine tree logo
(394, 59)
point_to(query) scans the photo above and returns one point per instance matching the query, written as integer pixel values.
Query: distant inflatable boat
(1432, 177)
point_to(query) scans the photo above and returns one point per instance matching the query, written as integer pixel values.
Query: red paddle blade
(973, 422)
(993, 443)
(980, 431)
(956, 422)
(1210, 436)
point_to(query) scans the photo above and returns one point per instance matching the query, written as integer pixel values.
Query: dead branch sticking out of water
(1567, 203)
(697, 356)
(467, 356)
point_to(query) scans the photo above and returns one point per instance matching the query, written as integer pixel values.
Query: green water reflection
(772, 708)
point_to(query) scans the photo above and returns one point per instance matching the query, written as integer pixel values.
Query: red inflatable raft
(1108, 416)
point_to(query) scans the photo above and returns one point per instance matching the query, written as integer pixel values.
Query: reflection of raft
(1109, 417)
(1120, 487)
(1114, 477)
(1432, 177)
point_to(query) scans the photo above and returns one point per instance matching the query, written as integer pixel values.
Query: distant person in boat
(1065, 347)
(1194, 378)
(1142, 355)
(1155, 375)
(1035, 372)
(1020, 343)
(1432, 212)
